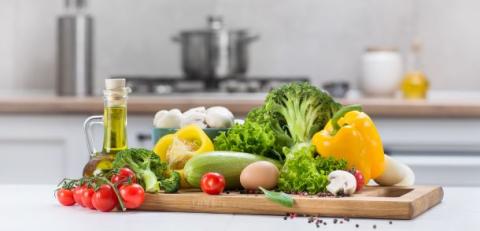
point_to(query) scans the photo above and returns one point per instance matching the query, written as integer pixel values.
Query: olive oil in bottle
(115, 127)
(115, 132)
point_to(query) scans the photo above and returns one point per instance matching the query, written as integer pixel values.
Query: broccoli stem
(150, 180)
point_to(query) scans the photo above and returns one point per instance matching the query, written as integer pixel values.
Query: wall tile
(7, 21)
(451, 38)
(323, 39)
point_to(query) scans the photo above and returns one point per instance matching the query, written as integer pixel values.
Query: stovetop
(163, 85)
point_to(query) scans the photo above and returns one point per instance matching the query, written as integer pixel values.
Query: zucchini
(229, 164)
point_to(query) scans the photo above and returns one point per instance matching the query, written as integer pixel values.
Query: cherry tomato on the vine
(77, 194)
(87, 195)
(212, 183)
(123, 175)
(65, 197)
(104, 199)
(132, 195)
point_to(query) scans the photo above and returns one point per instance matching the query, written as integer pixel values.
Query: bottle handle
(87, 128)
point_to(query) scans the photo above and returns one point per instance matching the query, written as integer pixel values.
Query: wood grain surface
(372, 202)
(239, 105)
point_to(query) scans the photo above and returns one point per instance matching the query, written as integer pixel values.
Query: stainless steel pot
(214, 52)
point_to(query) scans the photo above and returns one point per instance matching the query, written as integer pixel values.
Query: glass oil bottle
(114, 121)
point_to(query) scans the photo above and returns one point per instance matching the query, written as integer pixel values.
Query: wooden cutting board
(372, 202)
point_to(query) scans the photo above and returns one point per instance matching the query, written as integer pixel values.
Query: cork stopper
(114, 84)
(115, 93)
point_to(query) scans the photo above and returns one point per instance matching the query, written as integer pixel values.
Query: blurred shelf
(240, 104)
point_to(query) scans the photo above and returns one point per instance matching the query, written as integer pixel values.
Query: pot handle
(176, 39)
(252, 38)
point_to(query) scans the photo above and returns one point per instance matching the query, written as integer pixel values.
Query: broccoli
(291, 114)
(146, 165)
(172, 183)
(299, 110)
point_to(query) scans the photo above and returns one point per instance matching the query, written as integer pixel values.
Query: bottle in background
(415, 83)
(74, 50)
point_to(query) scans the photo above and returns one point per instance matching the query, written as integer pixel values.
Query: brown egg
(261, 173)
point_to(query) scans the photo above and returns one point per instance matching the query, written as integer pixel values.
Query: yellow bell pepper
(351, 135)
(177, 148)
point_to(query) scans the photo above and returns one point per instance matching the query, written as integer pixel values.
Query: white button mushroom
(194, 116)
(219, 117)
(341, 182)
(167, 119)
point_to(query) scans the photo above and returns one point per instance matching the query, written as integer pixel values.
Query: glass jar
(382, 70)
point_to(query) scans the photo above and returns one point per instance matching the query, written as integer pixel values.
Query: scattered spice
(347, 219)
(311, 219)
(356, 226)
(341, 222)
(390, 222)
(335, 221)
(374, 226)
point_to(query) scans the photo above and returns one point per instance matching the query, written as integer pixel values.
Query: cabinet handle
(142, 137)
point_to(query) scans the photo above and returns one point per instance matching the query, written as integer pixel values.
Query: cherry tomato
(77, 194)
(87, 195)
(104, 199)
(65, 197)
(212, 183)
(360, 180)
(123, 175)
(132, 195)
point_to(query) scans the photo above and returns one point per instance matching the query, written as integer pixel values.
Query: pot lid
(215, 23)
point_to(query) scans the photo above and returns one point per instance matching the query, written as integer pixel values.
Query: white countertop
(33, 207)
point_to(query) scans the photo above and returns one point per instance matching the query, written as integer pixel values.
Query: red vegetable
(123, 175)
(104, 199)
(65, 197)
(212, 183)
(77, 195)
(132, 195)
(87, 195)
(360, 180)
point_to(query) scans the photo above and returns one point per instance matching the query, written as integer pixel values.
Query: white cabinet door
(47, 148)
(41, 148)
(440, 151)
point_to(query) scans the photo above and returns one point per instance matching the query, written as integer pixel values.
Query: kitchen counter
(28, 207)
(240, 104)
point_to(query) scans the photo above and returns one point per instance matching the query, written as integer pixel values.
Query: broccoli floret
(299, 110)
(171, 184)
(145, 163)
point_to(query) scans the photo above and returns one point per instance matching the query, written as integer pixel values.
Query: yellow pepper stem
(340, 113)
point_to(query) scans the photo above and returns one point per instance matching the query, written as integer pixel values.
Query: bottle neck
(115, 121)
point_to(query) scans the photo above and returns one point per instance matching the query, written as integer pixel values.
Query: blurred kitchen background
(360, 46)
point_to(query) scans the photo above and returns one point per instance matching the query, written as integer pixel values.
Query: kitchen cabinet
(44, 148)
(440, 151)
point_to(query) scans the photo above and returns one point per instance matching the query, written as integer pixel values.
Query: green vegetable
(299, 110)
(302, 172)
(279, 197)
(250, 137)
(171, 184)
(291, 114)
(146, 165)
(228, 164)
